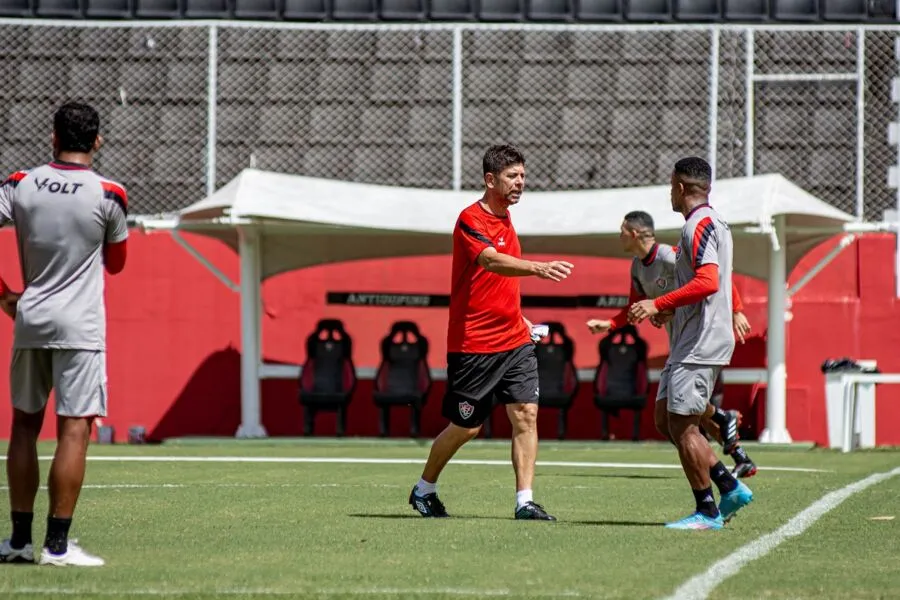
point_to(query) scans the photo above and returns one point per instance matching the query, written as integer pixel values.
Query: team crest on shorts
(466, 410)
(661, 283)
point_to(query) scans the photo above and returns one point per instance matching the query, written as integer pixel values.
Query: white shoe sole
(68, 561)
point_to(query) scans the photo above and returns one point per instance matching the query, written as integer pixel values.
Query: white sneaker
(74, 556)
(8, 554)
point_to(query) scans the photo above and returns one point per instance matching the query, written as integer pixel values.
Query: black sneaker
(533, 512)
(428, 505)
(744, 469)
(730, 431)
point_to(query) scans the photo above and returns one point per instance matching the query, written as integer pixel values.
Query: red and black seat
(403, 377)
(557, 375)
(328, 378)
(621, 380)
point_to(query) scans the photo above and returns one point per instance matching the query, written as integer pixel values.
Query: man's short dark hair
(498, 158)
(76, 127)
(694, 170)
(638, 219)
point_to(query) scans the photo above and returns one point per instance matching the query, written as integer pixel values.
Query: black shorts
(474, 379)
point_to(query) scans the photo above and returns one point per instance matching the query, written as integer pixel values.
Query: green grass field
(174, 524)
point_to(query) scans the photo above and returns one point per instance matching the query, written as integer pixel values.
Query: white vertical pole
(776, 431)
(897, 249)
(895, 179)
(258, 316)
(860, 121)
(251, 414)
(714, 99)
(749, 108)
(457, 107)
(212, 72)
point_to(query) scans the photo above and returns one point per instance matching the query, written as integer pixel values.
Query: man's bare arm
(509, 266)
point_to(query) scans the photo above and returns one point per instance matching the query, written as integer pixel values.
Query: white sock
(423, 488)
(523, 497)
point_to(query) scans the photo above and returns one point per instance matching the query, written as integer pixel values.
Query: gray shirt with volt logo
(63, 214)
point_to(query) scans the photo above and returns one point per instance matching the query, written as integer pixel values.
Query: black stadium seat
(621, 382)
(558, 378)
(328, 378)
(403, 377)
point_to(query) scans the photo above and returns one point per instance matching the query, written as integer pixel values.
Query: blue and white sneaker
(697, 521)
(735, 500)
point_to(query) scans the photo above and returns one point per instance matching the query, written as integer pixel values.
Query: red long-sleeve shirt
(114, 256)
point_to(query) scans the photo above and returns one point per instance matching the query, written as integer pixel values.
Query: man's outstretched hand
(599, 325)
(555, 270)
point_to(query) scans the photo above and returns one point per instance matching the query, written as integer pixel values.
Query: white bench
(850, 394)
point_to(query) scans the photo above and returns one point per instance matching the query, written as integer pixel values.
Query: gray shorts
(687, 388)
(78, 377)
(662, 392)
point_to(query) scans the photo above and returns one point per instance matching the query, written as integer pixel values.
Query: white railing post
(714, 99)
(457, 107)
(860, 122)
(749, 114)
(211, 82)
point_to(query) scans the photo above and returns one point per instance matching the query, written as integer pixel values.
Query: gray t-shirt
(654, 275)
(702, 332)
(63, 214)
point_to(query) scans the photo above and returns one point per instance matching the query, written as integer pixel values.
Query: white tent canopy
(307, 221)
(278, 223)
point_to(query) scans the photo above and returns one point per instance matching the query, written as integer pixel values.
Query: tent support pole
(217, 273)
(776, 431)
(251, 415)
(817, 268)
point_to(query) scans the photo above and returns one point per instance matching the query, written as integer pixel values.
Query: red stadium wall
(174, 342)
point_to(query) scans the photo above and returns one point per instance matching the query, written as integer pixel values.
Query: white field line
(701, 586)
(401, 461)
(375, 591)
(143, 486)
(161, 486)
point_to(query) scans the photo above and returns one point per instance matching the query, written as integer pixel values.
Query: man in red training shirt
(489, 345)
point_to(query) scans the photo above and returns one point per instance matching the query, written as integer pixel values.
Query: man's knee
(661, 419)
(27, 425)
(523, 416)
(681, 426)
(465, 433)
(74, 429)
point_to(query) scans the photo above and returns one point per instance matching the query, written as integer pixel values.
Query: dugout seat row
(403, 378)
(328, 378)
(462, 10)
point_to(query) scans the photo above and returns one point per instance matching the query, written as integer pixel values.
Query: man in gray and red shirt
(702, 341)
(653, 275)
(70, 223)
